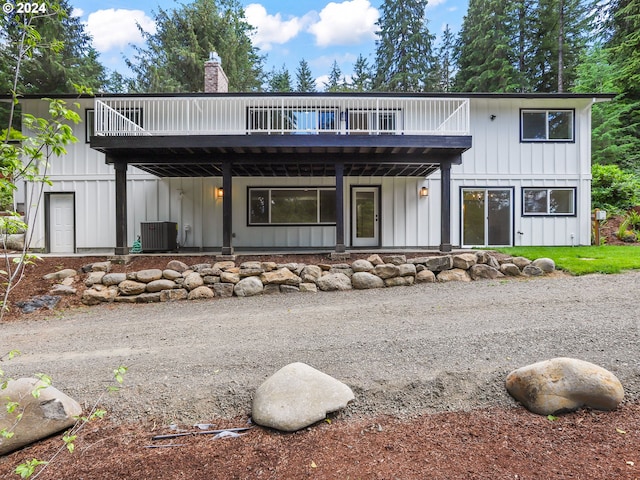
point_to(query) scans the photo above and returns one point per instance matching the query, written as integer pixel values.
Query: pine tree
(336, 82)
(361, 80)
(63, 58)
(304, 80)
(404, 56)
(445, 60)
(560, 29)
(279, 80)
(172, 59)
(485, 53)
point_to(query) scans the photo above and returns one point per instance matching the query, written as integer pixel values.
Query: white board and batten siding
(497, 159)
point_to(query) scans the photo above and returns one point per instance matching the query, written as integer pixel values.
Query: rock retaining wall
(179, 281)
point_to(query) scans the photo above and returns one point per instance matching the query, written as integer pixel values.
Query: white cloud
(113, 28)
(346, 23)
(77, 12)
(271, 29)
(435, 3)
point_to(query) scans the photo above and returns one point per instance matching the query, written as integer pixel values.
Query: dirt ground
(486, 442)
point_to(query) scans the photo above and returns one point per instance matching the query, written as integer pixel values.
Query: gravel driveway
(404, 350)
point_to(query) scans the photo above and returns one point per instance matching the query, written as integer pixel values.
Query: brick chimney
(215, 80)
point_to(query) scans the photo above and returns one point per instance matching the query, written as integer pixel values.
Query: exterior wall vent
(159, 236)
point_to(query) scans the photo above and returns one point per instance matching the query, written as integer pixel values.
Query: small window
(292, 206)
(89, 124)
(549, 201)
(547, 125)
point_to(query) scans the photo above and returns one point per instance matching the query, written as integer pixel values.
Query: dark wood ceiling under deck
(285, 155)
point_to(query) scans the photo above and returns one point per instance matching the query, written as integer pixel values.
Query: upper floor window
(372, 121)
(547, 125)
(293, 120)
(549, 201)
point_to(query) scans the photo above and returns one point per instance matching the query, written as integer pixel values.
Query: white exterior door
(365, 206)
(487, 217)
(61, 223)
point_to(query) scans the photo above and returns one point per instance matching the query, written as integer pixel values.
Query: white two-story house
(233, 172)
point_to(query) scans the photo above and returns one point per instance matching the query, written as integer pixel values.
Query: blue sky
(286, 31)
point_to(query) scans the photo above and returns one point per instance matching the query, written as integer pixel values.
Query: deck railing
(278, 115)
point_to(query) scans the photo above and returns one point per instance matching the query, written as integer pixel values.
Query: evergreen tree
(623, 50)
(279, 80)
(304, 80)
(404, 56)
(336, 82)
(445, 60)
(173, 57)
(362, 79)
(62, 59)
(561, 29)
(485, 52)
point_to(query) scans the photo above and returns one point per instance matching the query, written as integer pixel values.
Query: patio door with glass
(487, 215)
(365, 231)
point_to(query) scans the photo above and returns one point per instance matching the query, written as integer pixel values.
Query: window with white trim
(546, 125)
(549, 201)
(292, 206)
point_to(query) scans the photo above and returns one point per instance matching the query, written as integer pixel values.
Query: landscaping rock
(407, 269)
(362, 266)
(297, 396)
(223, 289)
(510, 269)
(225, 265)
(386, 270)
(520, 262)
(248, 287)
(563, 385)
(159, 285)
(425, 276)
(100, 267)
(177, 266)
(399, 281)
(395, 259)
(282, 276)
(365, 280)
(170, 274)
(51, 412)
(113, 278)
(149, 275)
(464, 260)
(483, 271)
(438, 264)
(174, 294)
(154, 297)
(334, 281)
(289, 289)
(60, 289)
(200, 293)
(453, 275)
(94, 278)
(308, 288)
(38, 302)
(545, 264)
(60, 275)
(532, 271)
(310, 274)
(228, 277)
(94, 296)
(193, 281)
(375, 260)
(131, 287)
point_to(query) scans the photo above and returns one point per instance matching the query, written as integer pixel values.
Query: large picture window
(292, 206)
(295, 121)
(549, 201)
(547, 125)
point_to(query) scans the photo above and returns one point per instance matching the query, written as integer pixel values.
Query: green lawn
(583, 260)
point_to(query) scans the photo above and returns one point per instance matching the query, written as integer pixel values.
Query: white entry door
(61, 223)
(365, 205)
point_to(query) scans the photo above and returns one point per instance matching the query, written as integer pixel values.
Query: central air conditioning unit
(159, 236)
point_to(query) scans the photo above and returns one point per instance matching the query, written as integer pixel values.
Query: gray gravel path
(404, 350)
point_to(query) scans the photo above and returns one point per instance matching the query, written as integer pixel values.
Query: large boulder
(60, 275)
(365, 280)
(282, 276)
(563, 385)
(438, 264)
(464, 260)
(193, 281)
(310, 274)
(453, 275)
(547, 265)
(248, 287)
(386, 270)
(52, 411)
(149, 275)
(362, 266)
(333, 282)
(483, 271)
(297, 396)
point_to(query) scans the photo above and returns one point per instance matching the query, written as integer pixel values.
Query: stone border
(224, 279)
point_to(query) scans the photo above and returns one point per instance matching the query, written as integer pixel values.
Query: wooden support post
(227, 223)
(340, 247)
(121, 208)
(445, 206)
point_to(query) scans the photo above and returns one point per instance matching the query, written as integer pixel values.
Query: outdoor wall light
(219, 192)
(492, 117)
(424, 192)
